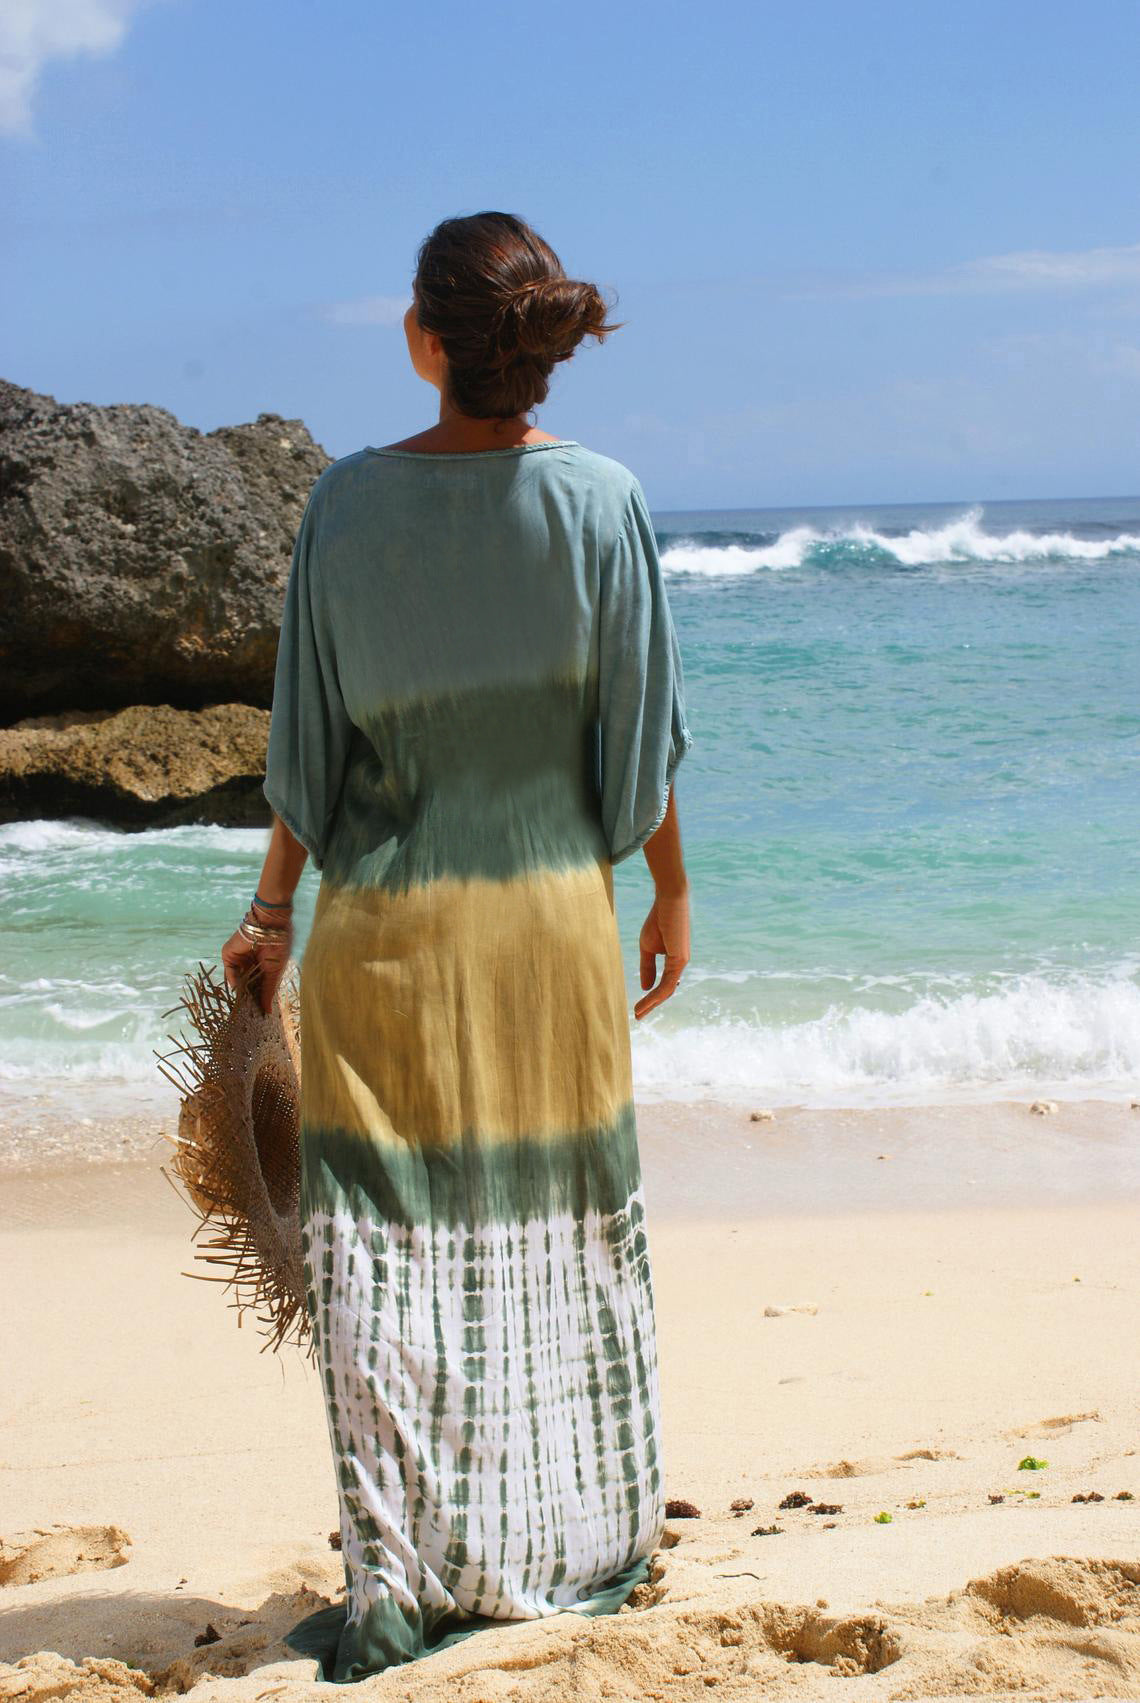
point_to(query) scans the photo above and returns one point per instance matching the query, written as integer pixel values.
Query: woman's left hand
(664, 934)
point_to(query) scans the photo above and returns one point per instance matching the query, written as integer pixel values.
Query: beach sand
(964, 1292)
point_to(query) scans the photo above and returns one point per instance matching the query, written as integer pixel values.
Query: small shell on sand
(762, 1117)
(1043, 1107)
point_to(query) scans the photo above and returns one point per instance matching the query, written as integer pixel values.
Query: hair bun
(545, 319)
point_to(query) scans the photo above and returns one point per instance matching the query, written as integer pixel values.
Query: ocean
(911, 816)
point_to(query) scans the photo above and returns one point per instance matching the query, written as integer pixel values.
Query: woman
(478, 709)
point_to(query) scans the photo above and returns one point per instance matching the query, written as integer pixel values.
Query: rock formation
(147, 766)
(142, 561)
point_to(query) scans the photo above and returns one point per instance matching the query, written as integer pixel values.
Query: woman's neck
(461, 432)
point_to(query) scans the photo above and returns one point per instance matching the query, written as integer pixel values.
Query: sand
(879, 1335)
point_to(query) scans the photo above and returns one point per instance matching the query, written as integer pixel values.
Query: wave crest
(961, 540)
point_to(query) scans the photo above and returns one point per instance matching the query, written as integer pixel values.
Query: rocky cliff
(142, 575)
(142, 561)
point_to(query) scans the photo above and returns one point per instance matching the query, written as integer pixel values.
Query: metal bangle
(258, 935)
(272, 928)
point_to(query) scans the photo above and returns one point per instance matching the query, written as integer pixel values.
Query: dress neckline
(471, 454)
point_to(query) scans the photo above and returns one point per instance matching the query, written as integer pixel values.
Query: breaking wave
(1080, 1038)
(961, 540)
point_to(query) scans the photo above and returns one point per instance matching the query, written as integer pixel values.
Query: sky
(863, 252)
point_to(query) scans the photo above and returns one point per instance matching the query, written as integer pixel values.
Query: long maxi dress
(478, 709)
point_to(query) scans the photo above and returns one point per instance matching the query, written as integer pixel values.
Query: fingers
(262, 967)
(230, 964)
(666, 987)
(271, 968)
(272, 962)
(650, 944)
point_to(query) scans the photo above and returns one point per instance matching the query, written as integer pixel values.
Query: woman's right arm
(284, 860)
(306, 757)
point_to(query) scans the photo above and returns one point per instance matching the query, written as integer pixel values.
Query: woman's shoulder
(343, 485)
(612, 485)
(609, 473)
(341, 473)
(618, 498)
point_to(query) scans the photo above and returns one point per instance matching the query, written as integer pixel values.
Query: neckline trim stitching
(470, 454)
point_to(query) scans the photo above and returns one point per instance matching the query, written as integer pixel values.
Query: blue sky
(865, 252)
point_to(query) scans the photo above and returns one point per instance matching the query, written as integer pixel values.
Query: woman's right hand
(240, 956)
(665, 932)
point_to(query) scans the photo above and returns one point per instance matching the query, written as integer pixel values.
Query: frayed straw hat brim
(237, 1150)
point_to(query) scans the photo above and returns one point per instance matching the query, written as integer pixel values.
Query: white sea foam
(1080, 1038)
(74, 834)
(115, 1061)
(961, 540)
(1075, 1037)
(715, 561)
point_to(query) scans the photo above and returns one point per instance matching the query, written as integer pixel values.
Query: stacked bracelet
(258, 934)
(267, 905)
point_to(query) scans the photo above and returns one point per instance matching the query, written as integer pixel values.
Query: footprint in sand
(929, 1455)
(1061, 1422)
(57, 1552)
(866, 1467)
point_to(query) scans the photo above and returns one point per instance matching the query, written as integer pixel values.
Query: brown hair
(504, 310)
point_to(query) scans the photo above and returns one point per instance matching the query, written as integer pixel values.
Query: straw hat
(237, 1152)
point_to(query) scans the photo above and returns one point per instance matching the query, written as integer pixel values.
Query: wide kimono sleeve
(641, 691)
(309, 728)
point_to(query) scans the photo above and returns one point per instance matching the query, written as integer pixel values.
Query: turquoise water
(911, 816)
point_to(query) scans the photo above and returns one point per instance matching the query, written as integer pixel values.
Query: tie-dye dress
(478, 709)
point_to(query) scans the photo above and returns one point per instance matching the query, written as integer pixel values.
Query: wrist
(279, 918)
(272, 900)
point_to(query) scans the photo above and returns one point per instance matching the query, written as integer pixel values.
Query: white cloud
(32, 32)
(367, 310)
(1079, 268)
(1028, 269)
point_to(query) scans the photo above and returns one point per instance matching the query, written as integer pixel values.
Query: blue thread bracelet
(286, 905)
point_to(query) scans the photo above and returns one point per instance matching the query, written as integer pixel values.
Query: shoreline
(701, 1159)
